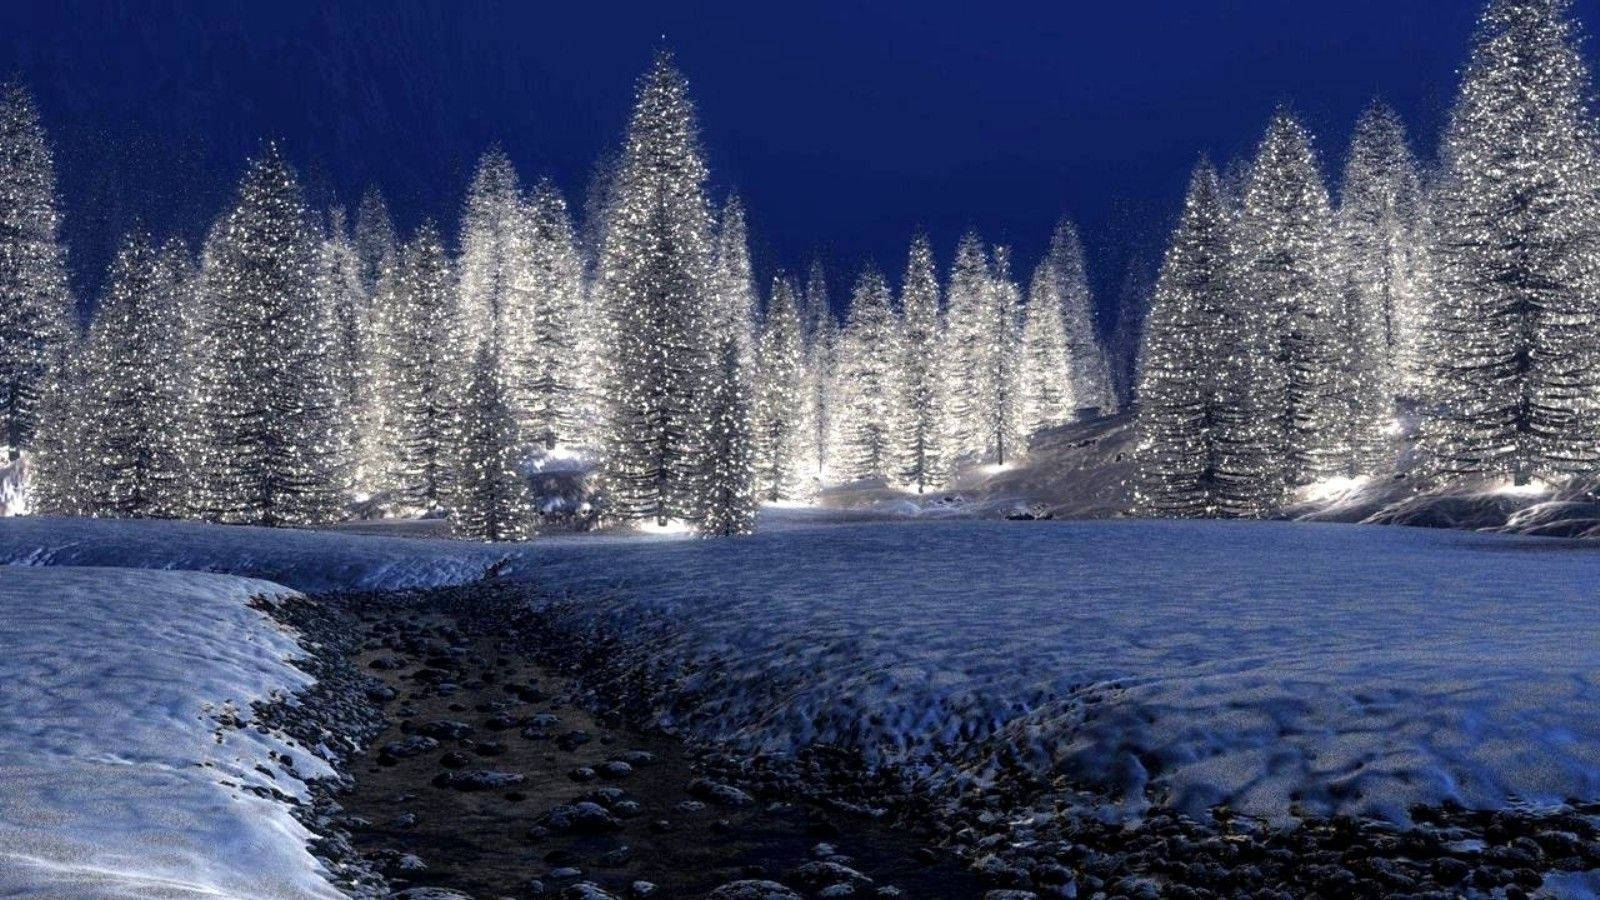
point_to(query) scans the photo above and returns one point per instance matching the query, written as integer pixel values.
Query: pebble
(719, 793)
(753, 890)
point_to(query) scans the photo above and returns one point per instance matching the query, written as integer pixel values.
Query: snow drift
(116, 778)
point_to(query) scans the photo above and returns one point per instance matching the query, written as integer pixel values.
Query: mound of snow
(310, 561)
(1266, 665)
(115, 777)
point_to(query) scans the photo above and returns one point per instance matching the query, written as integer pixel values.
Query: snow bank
(115, 778)
(1272, 666)
(309, 561)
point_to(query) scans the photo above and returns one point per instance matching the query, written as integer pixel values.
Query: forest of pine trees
(304, 366)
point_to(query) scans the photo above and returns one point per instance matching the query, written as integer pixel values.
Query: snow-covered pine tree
(727, 498)
(1088, 367)
(375, 241)
(822, 339)
(495, 294)
(58, 476)
(491, 501)
(134, 401)
(968, 300)
(656, 281)
(423, 377)
(1513, 380)
(736, 306)
(188, 312)
(921, 459)
(38, 321)
(1186, 344)
(870, 353)
(1287, 280)
(267, 397)
(339, 284)
(780, 435)
(1001, 375)
(1047, 393)
(1382, 222)
(556, 371)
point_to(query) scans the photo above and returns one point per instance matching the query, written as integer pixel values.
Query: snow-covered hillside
(1272, 666)
(117, 777)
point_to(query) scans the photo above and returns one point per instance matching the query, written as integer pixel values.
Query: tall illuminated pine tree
(1294, 399)
(727, 498)
(38, 322)
(1088, 367)
(822, 342)
(966, 348)
(1000, 380)
(656, 280)
(1187, 345)
(491, 500)
(921, 455)
(1048, 397)
(779, 411)
(1513, 376)
(267, 396)
(494, 293)
(1383, 226)
(424, 380)
(134, 396)
(735, 312)
(554, 374)
(869, 356)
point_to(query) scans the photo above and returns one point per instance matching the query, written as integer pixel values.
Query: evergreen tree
(339, 284)
(736, 308)
(1287, 281)
(1088, 368)
(727, 499)
(188, 312)
(656, 280)
(1513, 378)
(965, 350)
(1000, 384)
(556, 370)
(1382, 223)
(134, 404)
(496, 299)
(58, 466)
(780, 438)
(38, 323)
(424, 381)
(870, 353)
(267, 396)
(375, 241)
(822, 338)
(1186, 343)
(1047, 393)
(921, 452)
(492, 500)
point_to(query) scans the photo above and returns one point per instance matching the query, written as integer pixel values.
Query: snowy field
(115, 779)
(1273, 666)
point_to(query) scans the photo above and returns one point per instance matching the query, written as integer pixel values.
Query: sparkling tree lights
(921, 454)
(1512, 381)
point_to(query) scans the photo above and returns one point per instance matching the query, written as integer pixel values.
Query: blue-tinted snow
(115, 779)
(1359, 669)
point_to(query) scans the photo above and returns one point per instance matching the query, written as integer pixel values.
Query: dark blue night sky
(844, 125)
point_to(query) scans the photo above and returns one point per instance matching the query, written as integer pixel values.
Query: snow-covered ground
(308, 561)
(115, 777)
(1272, 666)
